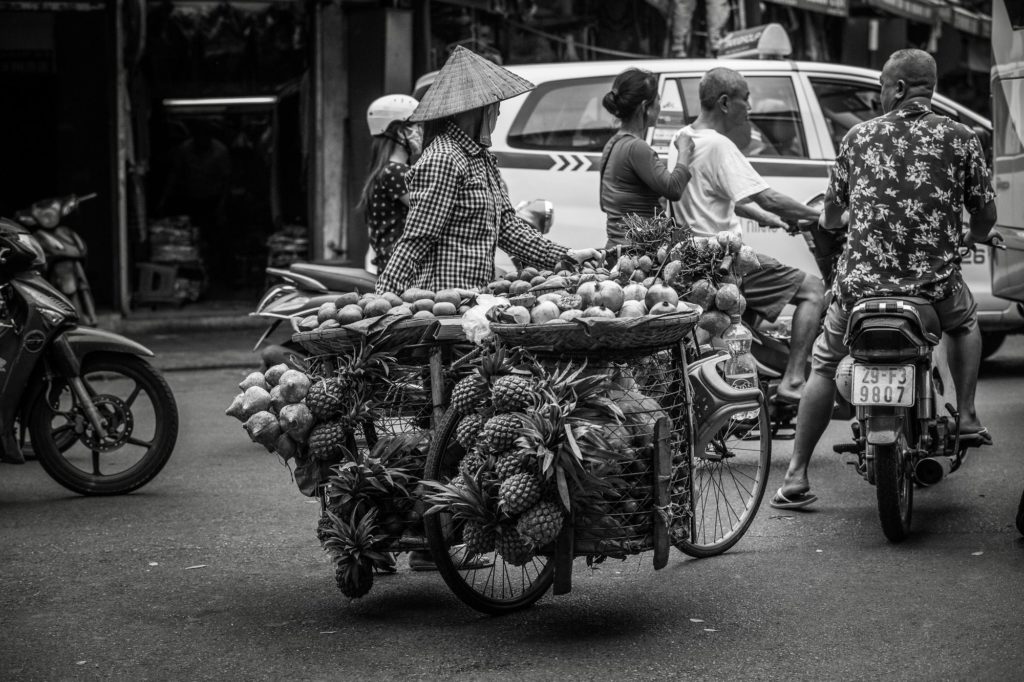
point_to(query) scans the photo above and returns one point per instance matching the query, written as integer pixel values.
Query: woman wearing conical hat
(459, 207)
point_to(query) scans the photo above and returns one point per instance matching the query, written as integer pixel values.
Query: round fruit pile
(419, 303)
(671, 273)
(272, 407)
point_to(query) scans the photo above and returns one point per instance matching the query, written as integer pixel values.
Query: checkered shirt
(459, 213)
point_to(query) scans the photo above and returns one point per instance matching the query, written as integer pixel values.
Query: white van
(548, 143)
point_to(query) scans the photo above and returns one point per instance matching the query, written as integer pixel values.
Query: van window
(565, 116)
(777, 129)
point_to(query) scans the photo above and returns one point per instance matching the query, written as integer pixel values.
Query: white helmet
(388, 108)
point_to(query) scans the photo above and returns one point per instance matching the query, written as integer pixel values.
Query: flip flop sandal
(976, 438)
(794, 501)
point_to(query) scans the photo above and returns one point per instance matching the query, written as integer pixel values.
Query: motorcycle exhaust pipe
(931, 470)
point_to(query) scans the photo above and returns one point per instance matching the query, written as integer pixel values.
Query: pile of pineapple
(318, 421)
(540, 442)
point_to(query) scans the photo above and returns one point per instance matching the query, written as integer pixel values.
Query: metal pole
(121, 132)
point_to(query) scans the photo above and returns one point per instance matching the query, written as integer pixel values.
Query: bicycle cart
(575, 431)
(685, 463)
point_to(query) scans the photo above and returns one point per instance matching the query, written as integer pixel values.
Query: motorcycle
(300, 289)
(897, 377)
(64, 248)
(99, 418)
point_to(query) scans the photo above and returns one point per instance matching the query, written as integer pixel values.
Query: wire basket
(639, 335)
(622, 522)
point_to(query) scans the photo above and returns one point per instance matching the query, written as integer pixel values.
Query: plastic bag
(475, 324)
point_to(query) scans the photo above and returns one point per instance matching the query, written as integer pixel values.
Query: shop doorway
(223, 183)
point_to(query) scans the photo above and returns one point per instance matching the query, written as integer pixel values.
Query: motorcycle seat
(336, 277)
(882, 325)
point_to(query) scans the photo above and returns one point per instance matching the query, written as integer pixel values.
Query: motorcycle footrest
(841, 448)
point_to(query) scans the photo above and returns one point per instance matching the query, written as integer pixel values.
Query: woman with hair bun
(634, 178)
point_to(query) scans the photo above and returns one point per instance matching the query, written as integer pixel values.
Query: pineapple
(470, 464)
(468, 431)
(323, 524)
(509, 465)
(500, 432)
(541, 524)
(327, 441)
(469, 394)
(511, 393)
(468, 502)
(518, 493)
(479, 538)
(512, 547)
(350, 543)
(473, 391)
(326, 398)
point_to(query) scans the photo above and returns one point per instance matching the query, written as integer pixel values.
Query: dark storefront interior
(231, 73)
(57, 125)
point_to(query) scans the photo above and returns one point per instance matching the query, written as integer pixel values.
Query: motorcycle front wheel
(140, 419)
(894, 487)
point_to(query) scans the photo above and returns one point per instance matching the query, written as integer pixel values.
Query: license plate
(883, 385)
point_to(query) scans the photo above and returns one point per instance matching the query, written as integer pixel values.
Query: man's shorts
(772, 286)
(958, 314)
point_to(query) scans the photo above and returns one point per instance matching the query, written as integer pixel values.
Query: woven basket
(588, 335)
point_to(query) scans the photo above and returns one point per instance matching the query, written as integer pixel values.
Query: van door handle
(1002, 184)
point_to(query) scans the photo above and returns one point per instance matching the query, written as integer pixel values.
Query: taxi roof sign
(764, 42)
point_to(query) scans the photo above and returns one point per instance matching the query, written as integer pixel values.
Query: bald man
(723, 186)
(905, 177)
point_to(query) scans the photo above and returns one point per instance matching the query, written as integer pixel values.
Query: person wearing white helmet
(385, 197)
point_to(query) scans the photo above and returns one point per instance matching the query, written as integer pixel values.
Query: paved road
(213, 572)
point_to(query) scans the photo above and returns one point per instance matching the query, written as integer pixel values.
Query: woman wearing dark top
(633, 177)
(385, 198)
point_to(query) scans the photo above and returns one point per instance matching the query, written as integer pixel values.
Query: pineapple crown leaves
(584, 396)
(365, 481)
(394, 451)
(352, 541)
(471, 501)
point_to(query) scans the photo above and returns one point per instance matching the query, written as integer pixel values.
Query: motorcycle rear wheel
(894, 487)
(141, 418)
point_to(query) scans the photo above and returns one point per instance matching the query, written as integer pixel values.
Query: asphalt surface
(213, 571)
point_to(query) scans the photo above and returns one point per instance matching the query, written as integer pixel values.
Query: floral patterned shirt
(459, 213)
(906, 177)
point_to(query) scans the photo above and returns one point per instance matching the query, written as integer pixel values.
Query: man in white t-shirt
(724, 185)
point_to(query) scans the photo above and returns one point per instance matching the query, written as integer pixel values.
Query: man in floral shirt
(905, 177)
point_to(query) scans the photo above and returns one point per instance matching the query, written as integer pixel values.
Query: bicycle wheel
(894, 487)
(497, 587)
(141, 424)
(727, 481)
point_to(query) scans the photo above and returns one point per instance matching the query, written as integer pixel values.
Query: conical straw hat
(468, 81)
